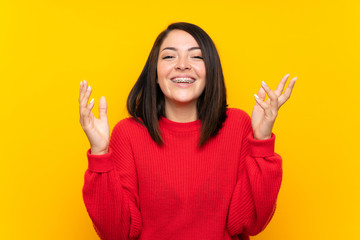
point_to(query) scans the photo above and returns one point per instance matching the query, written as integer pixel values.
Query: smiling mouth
(183, 80)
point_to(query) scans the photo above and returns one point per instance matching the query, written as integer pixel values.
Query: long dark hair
(146, 102)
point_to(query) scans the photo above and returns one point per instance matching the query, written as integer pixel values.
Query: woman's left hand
(265, 112)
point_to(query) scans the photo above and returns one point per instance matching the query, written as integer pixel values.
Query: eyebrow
(175, 49)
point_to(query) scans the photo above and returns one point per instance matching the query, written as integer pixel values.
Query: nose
(183, 64)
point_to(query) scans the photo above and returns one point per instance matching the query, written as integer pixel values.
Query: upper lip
(183, 76)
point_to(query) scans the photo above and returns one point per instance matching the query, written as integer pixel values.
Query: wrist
(98, 152)
(261, 148)
(262, 137)
(100, 163)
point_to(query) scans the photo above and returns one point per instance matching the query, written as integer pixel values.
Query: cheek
(162, 74)
(163, 69)
(203, 76)
(200, 70)
(202, 87)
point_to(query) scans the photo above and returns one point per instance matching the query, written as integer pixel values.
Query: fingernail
(256, 96)
(287, 75)
(264, 84)
(88, 88)
(92, 100)
(295, 78)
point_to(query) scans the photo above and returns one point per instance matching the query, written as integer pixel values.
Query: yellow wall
(48, 47)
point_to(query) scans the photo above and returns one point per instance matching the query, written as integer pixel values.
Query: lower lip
(183, 85)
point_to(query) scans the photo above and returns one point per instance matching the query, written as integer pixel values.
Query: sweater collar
(179, 126)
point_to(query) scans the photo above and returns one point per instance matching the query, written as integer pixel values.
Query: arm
(260, 170)
(110, 190)
(259, 178)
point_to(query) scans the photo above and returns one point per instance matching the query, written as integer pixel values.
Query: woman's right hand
(96, 130)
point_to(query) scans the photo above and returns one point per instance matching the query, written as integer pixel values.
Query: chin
(184, 100)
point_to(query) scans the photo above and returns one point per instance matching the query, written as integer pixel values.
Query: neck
(178, 112)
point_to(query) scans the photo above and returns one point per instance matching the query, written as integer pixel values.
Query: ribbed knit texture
(224, 190)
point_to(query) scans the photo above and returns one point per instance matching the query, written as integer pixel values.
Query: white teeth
(183, 80)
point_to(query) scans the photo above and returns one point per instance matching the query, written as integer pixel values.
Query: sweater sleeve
(110, 190)
(259, 178)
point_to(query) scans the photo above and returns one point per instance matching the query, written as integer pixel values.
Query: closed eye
(199, 57)
(167, 57)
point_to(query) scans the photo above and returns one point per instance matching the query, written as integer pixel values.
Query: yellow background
(48, 47)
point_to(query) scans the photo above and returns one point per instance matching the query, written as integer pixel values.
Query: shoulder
(237, 123)
(236, 112)
(237, 115)
(128, 126)
(236, 126)
(128, 122)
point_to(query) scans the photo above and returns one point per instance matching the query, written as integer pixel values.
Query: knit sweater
(224, 190)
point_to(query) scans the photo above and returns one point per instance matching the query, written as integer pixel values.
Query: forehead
(179, 39)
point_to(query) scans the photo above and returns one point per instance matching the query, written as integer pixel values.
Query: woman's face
(180, 68)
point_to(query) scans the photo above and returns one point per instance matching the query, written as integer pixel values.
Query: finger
(281, 85)
(261, 94)
(86, 96)
(81, 83)
(284, 97)
(82, 90)
(84, 111)
(87, 113)
(89, 108)
(102, 108)
(273, 97)
(265, 106)
(81, 87)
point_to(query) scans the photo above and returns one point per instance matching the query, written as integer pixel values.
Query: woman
(183, 166)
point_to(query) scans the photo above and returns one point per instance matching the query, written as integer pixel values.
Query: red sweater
(224, 190)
